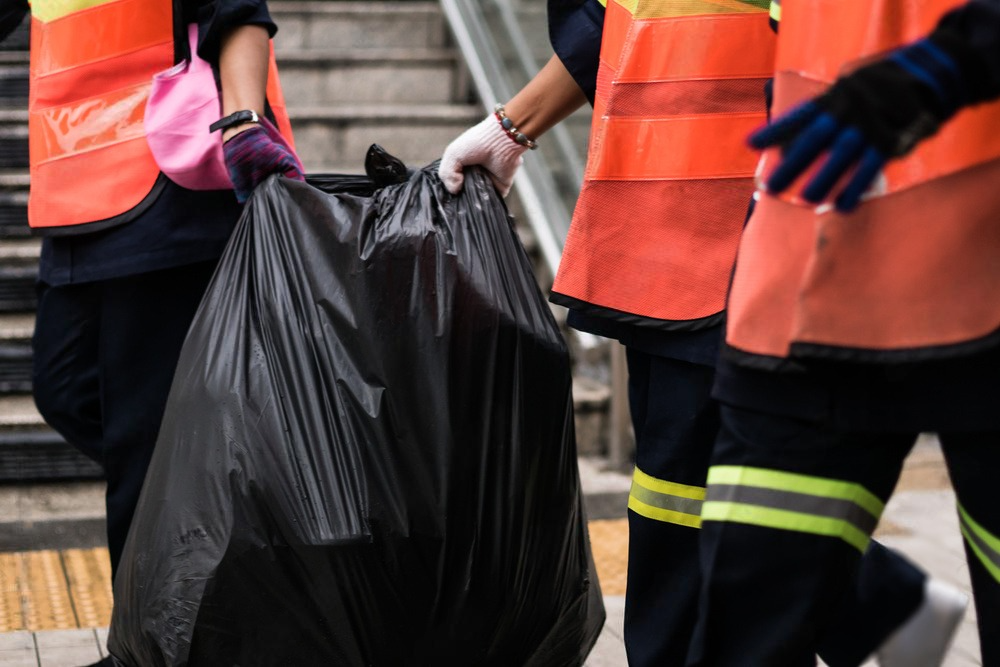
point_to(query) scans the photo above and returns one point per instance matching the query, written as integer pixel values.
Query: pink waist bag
(183, 102)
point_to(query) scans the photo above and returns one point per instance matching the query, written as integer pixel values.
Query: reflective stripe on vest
(790, 501)
(669, 502)
(913, 272)
(88, 153)
(92, 63)
(669, 175)
(984, 544)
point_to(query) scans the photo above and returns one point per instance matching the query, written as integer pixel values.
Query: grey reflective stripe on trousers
(791, 501)
(666, 502)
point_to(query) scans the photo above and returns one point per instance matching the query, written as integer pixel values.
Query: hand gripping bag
(368, 454)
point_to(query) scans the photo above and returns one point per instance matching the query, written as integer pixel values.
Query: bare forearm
(243, 63)
(546, 100)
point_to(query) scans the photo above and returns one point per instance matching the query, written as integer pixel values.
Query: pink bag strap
(196, 62)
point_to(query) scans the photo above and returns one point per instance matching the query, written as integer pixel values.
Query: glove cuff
(972, 72)
(498, 140)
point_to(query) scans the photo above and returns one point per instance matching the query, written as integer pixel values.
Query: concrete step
(20, 250)
(370, 76)
(16, 328)
(15, 353)
(18, 413)
(14, 84)
(328, 137)
(14, 179)
(34, 455)
(14, 210)
(14, 146)
(15, 367)
(17, 287)
(18, 272)
(358, 25)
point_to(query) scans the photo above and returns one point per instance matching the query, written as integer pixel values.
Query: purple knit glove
(253, 155)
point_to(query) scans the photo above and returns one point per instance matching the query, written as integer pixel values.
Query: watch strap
(237, 118)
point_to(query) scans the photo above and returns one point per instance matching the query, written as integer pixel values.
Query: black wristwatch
(238, 118)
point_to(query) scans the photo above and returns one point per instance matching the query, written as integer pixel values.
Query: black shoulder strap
(182, 50)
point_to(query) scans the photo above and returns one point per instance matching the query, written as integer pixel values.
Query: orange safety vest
(914, 271)
(92, 63)
(669, 174)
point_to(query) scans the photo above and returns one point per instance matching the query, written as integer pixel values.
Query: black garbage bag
(368, 454)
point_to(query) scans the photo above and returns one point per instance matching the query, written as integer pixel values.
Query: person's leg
(787, 516)
(973, 462)
(888, 590)
(65, 364)
(675, 423)
(145, 319)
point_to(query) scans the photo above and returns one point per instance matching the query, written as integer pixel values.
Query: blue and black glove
(254, 154)
(877, 113)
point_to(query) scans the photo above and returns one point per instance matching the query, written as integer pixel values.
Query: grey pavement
(610, 648)
(52, 648)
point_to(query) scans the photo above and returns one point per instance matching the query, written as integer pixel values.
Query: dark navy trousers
(104, 358)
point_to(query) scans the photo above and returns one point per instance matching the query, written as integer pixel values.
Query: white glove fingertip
(452, 179)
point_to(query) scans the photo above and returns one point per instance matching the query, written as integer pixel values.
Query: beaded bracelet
(508, 126)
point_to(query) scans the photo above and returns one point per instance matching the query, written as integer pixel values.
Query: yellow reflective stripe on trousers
(985, 545)
(767, 517)
(794, 502)
(776, 10)
(668, 502)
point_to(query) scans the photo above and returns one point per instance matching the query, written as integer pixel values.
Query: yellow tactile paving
(609, 542)
(45, 602)
(88, 573)
(11, 614)
(49, 590)
(52, 590)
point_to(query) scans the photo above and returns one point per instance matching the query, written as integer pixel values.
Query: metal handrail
(563, 141)
(544, 208)
(545, 211)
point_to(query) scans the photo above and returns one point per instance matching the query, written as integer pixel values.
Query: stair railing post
(621, 441)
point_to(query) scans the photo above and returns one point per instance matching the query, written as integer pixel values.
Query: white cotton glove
(487, 145)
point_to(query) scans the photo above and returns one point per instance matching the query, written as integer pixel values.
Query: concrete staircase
(354, 73)
(357, 73)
